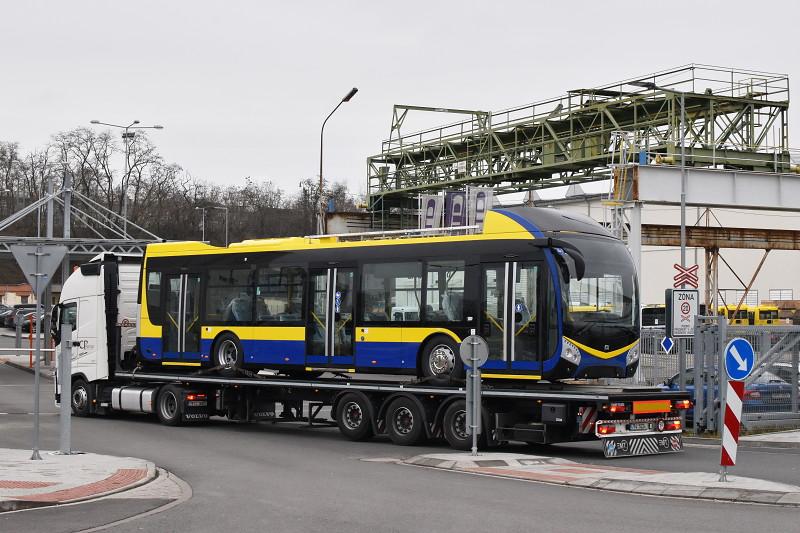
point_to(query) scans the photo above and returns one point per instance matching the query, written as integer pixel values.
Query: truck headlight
(570, 352)
(633, 355)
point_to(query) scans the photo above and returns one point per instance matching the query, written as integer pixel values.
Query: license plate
(640, 426)
(645, 445)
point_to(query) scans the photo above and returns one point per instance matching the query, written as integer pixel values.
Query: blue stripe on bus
(151, 348)
(550, 362)
(588, 360)
(387, 354)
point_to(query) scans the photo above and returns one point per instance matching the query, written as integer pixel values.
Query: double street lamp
(127, 135)
(321, 214)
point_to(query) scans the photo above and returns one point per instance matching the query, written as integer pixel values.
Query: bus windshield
(602, 307)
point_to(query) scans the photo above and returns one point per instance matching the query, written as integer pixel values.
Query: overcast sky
(242, 87)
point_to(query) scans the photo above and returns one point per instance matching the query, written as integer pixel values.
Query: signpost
(682, 306)
(474, 352)
(740, 359)
(38, 264)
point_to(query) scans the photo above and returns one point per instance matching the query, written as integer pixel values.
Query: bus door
(329, 334)
(182, 322)
(510, 310)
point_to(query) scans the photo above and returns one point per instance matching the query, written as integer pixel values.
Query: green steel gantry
(733, 119)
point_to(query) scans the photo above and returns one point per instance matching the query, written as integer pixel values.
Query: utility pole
(321, 200)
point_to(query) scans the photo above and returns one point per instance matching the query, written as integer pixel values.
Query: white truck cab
(99, 301)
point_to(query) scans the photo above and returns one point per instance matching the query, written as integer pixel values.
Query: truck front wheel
(169, 405)
(81, 398)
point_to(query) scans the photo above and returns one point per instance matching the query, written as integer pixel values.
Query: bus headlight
(570, 352)
(633, 355)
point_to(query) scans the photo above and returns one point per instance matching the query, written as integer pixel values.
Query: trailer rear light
(194, 396)
(606, 429)
(672, 425)
(682, 404)
(752, 395)
(617, 408)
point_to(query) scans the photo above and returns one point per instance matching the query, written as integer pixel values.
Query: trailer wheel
(454, 426)
(81, 398)
(440, 362)
(353, 417)
(228, 353)
(169, 405)
(405, 422)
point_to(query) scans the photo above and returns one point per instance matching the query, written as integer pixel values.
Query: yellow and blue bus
(554, 294)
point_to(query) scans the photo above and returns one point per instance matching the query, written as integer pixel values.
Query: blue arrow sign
(740, 359)
(667, 344)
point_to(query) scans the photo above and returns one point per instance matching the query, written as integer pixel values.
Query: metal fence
(771, 391)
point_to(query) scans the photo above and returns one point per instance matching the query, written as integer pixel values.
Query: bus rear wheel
(405, 422)
(228, 354)
(440, 363)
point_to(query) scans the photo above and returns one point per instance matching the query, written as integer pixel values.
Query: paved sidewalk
(58, 479)
(22, 362)
(770, 439)
(615, 478)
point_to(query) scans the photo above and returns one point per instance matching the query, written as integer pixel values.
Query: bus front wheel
(440, 363)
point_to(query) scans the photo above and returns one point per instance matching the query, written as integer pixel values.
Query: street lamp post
(127, 135)
(202, 222)
(321, 214)
(223, 208)
(682, 94)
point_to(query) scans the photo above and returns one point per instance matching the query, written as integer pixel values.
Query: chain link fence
(771, 391)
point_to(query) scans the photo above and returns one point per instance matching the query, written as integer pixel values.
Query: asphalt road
(294, 478)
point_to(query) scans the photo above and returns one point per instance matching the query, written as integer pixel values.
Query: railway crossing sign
(740, 359)
(685, 275)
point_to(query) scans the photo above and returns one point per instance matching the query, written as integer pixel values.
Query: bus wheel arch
(438, 359)
(226, 350)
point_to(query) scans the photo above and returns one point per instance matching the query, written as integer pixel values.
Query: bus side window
(154, 297)
(229, 297)
(279, 294)
(392, 292)
(445, 291)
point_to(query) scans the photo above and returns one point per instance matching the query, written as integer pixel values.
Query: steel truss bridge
(733, 119)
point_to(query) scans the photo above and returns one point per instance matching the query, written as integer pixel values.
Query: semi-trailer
(100, 298)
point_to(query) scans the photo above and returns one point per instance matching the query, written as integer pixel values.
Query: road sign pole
(38, 264)
(65, 382)
(36, 363)
(739, 363)
(474, 352)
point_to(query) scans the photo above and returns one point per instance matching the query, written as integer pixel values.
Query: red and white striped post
(730, 430)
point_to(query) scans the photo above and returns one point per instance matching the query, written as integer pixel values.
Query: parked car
(784, 371)
(8, 320)
(30, 320)
(767, 393)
